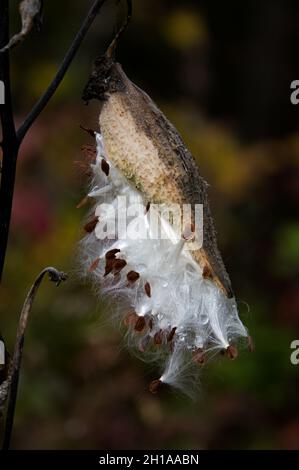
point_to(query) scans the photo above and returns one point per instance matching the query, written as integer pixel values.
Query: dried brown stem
(10, 385)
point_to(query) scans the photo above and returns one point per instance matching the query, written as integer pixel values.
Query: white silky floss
(180, 298)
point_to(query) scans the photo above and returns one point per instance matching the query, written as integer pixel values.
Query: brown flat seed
(140, 324)
(158, 337)
(131, 318)
(147, 207)
(83, 201)
(105, 167)
(118, 265)
(108, 266)
(147, 289)
(155, 386)
(91, 225)
(171, 334)
(132, 276)
(111, 253)
(232, 352)
(94, 265)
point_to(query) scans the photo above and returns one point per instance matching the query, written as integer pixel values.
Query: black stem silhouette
(11, 140)
(14, 370)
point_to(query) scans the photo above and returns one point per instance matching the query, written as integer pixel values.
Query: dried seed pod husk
(184, 299)
(132, 125)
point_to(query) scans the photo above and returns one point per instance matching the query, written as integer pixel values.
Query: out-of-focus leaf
(185, 29)
(287, 250)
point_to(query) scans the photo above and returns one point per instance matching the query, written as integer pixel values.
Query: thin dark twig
(6, 110)
(111, 48)
(10, 139)
(13, 375)
(42, 102)
(9, 142)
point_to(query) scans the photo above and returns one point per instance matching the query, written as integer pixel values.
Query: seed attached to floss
(111, 253)
(118, 264)
(171, 334)
(105, 167)
(108, 267)
(114, 264)
(158, 338)
(132, 276)
(91, 225)
(187, 312)
(83, 201)
(94, 265)
(232, 352)
(131, 318)
(147, 207)
(140, 324)
(147, 289)
(155, 386)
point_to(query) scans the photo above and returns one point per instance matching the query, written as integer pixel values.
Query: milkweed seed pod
(176, 300)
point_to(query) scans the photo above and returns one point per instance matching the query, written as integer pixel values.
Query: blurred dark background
(221, 71)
